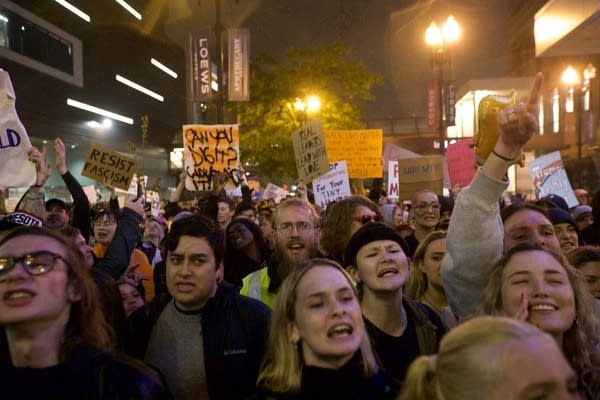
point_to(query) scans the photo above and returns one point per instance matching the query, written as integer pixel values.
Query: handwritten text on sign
(108, 166)
(209, 149)
(310, 151)
(332, 186)
(420, 173)
(360, 148)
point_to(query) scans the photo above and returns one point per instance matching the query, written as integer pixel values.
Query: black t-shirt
(395, 353)
(37, 383)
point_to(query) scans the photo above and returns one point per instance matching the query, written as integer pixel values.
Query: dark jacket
(234, 332)
(85, 375)
(80, 217)
(346, 383)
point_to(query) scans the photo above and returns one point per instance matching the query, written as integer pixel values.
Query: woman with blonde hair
(425, 282)
(539, 286)
(54, 341)
(318, 346)
(492, 358)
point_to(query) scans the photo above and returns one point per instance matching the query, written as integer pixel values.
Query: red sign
(433, 106)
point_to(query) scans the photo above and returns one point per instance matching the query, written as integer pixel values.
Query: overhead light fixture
(3, 18)
(99, 111)
(131, 10)
(74, 10)
(140, 88)
(163, 68)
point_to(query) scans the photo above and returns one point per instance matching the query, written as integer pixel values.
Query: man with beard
(296, 233)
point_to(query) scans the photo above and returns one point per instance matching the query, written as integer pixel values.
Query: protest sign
(332, 186)
(109, 167)
(460, 157)
(153, 198)
(360, 148)
(392, 185)
(15, 169)
(274, 192)
(310, 151)
(416, 174)
(209, 149)
(549, 177)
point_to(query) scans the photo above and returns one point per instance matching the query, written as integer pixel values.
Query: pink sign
(460, 157)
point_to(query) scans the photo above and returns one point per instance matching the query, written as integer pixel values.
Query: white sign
(549, 177)
(153, 198)
(90, 192)
(332, 186)
(392, 188)
(275, 192)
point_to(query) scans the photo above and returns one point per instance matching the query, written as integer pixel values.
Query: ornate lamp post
(440, 41)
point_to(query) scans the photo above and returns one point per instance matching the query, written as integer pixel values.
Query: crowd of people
(459, 297)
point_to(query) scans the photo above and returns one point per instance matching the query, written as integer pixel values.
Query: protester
(492, 358)
(586, 259)
(54, 342)
(446, 208)
(318, 347)
(343, 218)
(246, 250)
(583, 217)
(297, 232)
(591, 234)
(205, 338)
(425, 282)
(154, 232)
(400, 328)
(424, 215)
(132, 299)
(565, 230)
(539, 286)
(583, 197)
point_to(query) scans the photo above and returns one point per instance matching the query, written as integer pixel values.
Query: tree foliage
(268, 119)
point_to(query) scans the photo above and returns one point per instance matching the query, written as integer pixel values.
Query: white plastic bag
(15, 169)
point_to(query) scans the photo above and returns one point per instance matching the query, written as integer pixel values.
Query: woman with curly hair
(539, 286)
(54, 341)
(318, 346)
(342, 219)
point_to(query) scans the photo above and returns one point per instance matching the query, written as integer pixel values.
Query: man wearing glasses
(297, 234)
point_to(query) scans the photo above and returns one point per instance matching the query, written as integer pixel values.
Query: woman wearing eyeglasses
(54, 342)
(424, 216)
(342, 219)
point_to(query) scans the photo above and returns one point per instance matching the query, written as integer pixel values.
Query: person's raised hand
(136, 205)
(218, 182)
(518, 123)
(42, 168)
(61, 156)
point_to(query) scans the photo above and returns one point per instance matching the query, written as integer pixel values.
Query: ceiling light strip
(74, 10)
(140, 88)
(131, 10)
(163, 67)
(100, 111)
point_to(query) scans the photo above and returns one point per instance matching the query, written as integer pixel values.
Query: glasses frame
(13, 261)
(288, 227)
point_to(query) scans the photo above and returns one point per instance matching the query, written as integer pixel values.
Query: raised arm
(33, 200)
(475, 235)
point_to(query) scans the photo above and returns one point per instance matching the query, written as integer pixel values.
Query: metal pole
(441, 123)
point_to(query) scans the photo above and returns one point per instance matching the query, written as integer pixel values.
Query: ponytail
(421, 382)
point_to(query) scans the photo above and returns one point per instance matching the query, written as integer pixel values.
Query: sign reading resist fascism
(109, 167)
(360, 148)
(209, 149)
(332, 186)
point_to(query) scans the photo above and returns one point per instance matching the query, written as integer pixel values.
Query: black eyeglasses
(38, 263)
(363, 219)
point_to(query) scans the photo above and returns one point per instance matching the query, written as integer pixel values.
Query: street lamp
(440, 41)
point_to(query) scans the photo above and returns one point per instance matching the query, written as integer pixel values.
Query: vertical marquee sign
(200, 77)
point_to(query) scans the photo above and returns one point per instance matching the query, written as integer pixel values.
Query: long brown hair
(86, 324)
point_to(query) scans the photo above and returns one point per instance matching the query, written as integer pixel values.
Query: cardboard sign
(416, 174)
(360, 148)
(310, 151)
(332, 186)
(393, 190)
(209, 149)
(461, 162)
(274, 192)
(550, 177)
(108, 166)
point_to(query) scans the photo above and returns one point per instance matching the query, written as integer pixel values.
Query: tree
(268, 119)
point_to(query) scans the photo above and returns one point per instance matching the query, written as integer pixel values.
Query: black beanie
(558, 216)
(371, 232)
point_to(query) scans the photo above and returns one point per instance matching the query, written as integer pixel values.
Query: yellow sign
(360, 148)
(420, 173)
(209, 149)
(109, 167)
